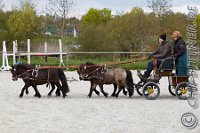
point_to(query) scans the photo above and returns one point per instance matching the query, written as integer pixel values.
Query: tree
(1, 5)
(60, 9)
(2, 20)
(23, 21)
(159, 7)
(133, 31)
(137, 10)
(96, 16)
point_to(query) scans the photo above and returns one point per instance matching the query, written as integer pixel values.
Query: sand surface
(79, 114)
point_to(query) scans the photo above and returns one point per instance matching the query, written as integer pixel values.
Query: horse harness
(99, 73)
(34, 74)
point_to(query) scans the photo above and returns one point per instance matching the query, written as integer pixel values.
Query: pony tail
(129, 81)
(63, 79)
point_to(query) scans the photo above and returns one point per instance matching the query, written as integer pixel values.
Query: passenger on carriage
(180, 54)
(162, 52)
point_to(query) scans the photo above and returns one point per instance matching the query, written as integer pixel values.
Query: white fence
(5, 54)
(5, 64)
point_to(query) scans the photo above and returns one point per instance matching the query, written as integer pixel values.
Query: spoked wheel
(182, 91)
(172, 90)
(151, 91)
(139, 87)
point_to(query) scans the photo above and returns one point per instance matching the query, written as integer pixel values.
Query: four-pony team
(98, 75)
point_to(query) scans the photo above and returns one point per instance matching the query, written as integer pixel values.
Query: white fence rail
(15, 53)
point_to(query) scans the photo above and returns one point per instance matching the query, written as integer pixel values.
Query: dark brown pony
(33, 77)
(100, 75)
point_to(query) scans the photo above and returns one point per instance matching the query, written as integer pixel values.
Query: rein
(96, 65)
(27, 71)
(94, 71)
(95, 76)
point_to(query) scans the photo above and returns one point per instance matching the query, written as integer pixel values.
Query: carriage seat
(166, 67)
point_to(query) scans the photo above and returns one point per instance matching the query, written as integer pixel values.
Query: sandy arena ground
(79, 114)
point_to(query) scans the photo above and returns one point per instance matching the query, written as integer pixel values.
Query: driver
(162, 52)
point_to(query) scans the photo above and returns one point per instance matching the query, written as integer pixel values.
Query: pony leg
(124, 91)
(115, 89)
(60, 88)
(92, 88)
(52, 89)
(36, 91)
(90, 93)
(119, 90)
(131, 91)
(23, 89)
(27, 92)
(57, 92)
(104, 93)
(37, 94)
(97, 92)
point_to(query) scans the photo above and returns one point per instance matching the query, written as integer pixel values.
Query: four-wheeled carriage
(178, 85)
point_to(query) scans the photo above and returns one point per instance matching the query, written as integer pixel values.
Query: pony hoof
(106, 95)
(58, 95)
(49, 95)
(39, 96)
(125, 93)
(89, 96)
(113, 95)
(27, 93)
(98, 93)
(20, 96)
(130, 95)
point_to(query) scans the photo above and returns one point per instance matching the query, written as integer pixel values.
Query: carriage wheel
(139, 87)
(182, 91)
(172, 90)
(151, 91)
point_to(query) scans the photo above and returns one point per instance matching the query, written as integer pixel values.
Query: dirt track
(78, 113)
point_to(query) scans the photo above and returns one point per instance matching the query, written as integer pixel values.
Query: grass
(75, 61)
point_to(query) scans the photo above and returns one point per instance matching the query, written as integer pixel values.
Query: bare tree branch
(1, 4)
(159, 7)
(62, 9)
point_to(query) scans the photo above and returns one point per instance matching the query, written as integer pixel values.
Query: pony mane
(24, 65)
(89, 63)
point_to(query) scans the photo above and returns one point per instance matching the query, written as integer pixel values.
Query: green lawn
(71, 61)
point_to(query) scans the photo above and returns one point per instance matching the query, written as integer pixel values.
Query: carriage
(148, 87)
(178, 85)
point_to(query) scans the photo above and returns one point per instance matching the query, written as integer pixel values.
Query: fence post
(45, 51)
(114, 57)
(45, 47)
(3, 58)
(14, 52)
(5, 66)
(28, 51)
(61, 56)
